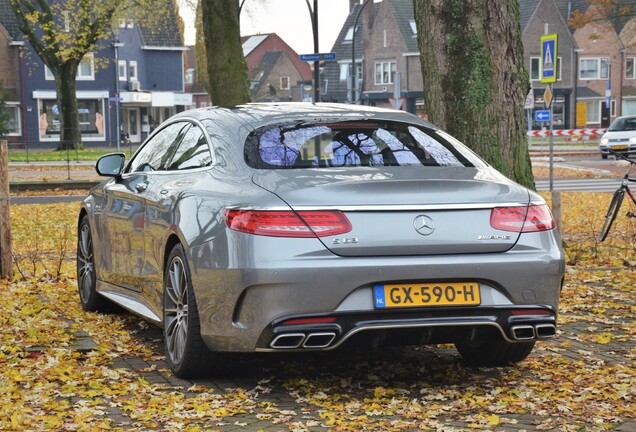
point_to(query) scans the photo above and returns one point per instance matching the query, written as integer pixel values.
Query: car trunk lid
(404, 211)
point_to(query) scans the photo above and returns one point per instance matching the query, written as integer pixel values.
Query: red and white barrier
(566, 132)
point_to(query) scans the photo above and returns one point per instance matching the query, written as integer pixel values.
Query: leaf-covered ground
(51, 379)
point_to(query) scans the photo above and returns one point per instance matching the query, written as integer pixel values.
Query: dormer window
(349, 36)
(413, 27)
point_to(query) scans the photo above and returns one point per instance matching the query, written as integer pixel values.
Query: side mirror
(110, 165)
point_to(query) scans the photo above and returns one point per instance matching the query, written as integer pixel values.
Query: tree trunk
(6, 269)
(475, 82)
(227, 69)
(70, 132)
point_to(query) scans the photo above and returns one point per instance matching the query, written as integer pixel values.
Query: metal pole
(551, 145)
(314, 26)
(117, 115)
(353, 71)
(316, 51)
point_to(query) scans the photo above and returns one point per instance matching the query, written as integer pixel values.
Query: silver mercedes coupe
(309, 227)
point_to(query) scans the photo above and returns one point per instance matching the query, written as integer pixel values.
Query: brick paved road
(559, 388)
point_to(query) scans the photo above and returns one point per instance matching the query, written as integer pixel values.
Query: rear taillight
(522, 219)
(288, 223)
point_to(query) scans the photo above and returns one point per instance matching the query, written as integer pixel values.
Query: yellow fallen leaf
(603, 338)
(493, 420)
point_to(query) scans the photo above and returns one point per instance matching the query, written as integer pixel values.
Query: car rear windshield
(354, 144)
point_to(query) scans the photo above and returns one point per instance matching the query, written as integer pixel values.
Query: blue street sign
(317, 57)
(548, 58)
(542, 116)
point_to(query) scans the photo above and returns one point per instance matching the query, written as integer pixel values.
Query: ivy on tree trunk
(475, 82)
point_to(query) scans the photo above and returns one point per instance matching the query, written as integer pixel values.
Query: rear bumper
(241, 309)
(413, 327)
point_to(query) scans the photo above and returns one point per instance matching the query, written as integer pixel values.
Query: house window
(48, 75)
(346, 67)
(593, 112)
(413, 27)
(386, 39)
(132, 70)
(86, 69)
(344, 71)
(535, 72)
(121, 70)
(91, 118)
(14, 125)
(284, 83)
(613, 108)
(384, 72)
(349, 36)
(189, 76)
(593, 68)
(630, 70)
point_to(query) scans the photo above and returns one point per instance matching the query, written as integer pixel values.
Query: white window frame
(383, 66)
(90, 60)
(48, 75)
(413, 26)
(15, 107)
(631, 60)
(133, 71)
(613, 108)
(122, 70)
(596, 112)
(281, 83)
(344, 71)
(533, 61)
(598, 73)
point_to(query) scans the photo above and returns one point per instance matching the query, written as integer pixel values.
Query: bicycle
(619, 194)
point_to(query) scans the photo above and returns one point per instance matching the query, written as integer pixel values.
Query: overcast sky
(289, 19)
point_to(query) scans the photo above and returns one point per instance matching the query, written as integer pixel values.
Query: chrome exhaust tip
(545, 331)
(523, 333)
(288, 341)
(319, 340)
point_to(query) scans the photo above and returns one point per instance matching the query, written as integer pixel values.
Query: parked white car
(620, 137)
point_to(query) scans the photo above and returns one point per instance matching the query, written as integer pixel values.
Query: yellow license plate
(619, 147)
(427, 294)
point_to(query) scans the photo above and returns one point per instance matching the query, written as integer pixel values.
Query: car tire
(603, 156)
(186, 353)
(91, 300)
(493, 353)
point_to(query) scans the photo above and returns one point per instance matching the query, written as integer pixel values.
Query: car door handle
(141, 187)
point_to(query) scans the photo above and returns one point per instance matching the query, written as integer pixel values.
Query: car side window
(156, 153)
(193, 151)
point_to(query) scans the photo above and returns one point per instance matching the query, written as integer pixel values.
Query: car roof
(261, 114)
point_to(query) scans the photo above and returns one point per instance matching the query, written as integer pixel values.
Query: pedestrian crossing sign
(549, 58)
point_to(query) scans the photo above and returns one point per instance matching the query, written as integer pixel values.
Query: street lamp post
(353, 74)
(314, 25)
